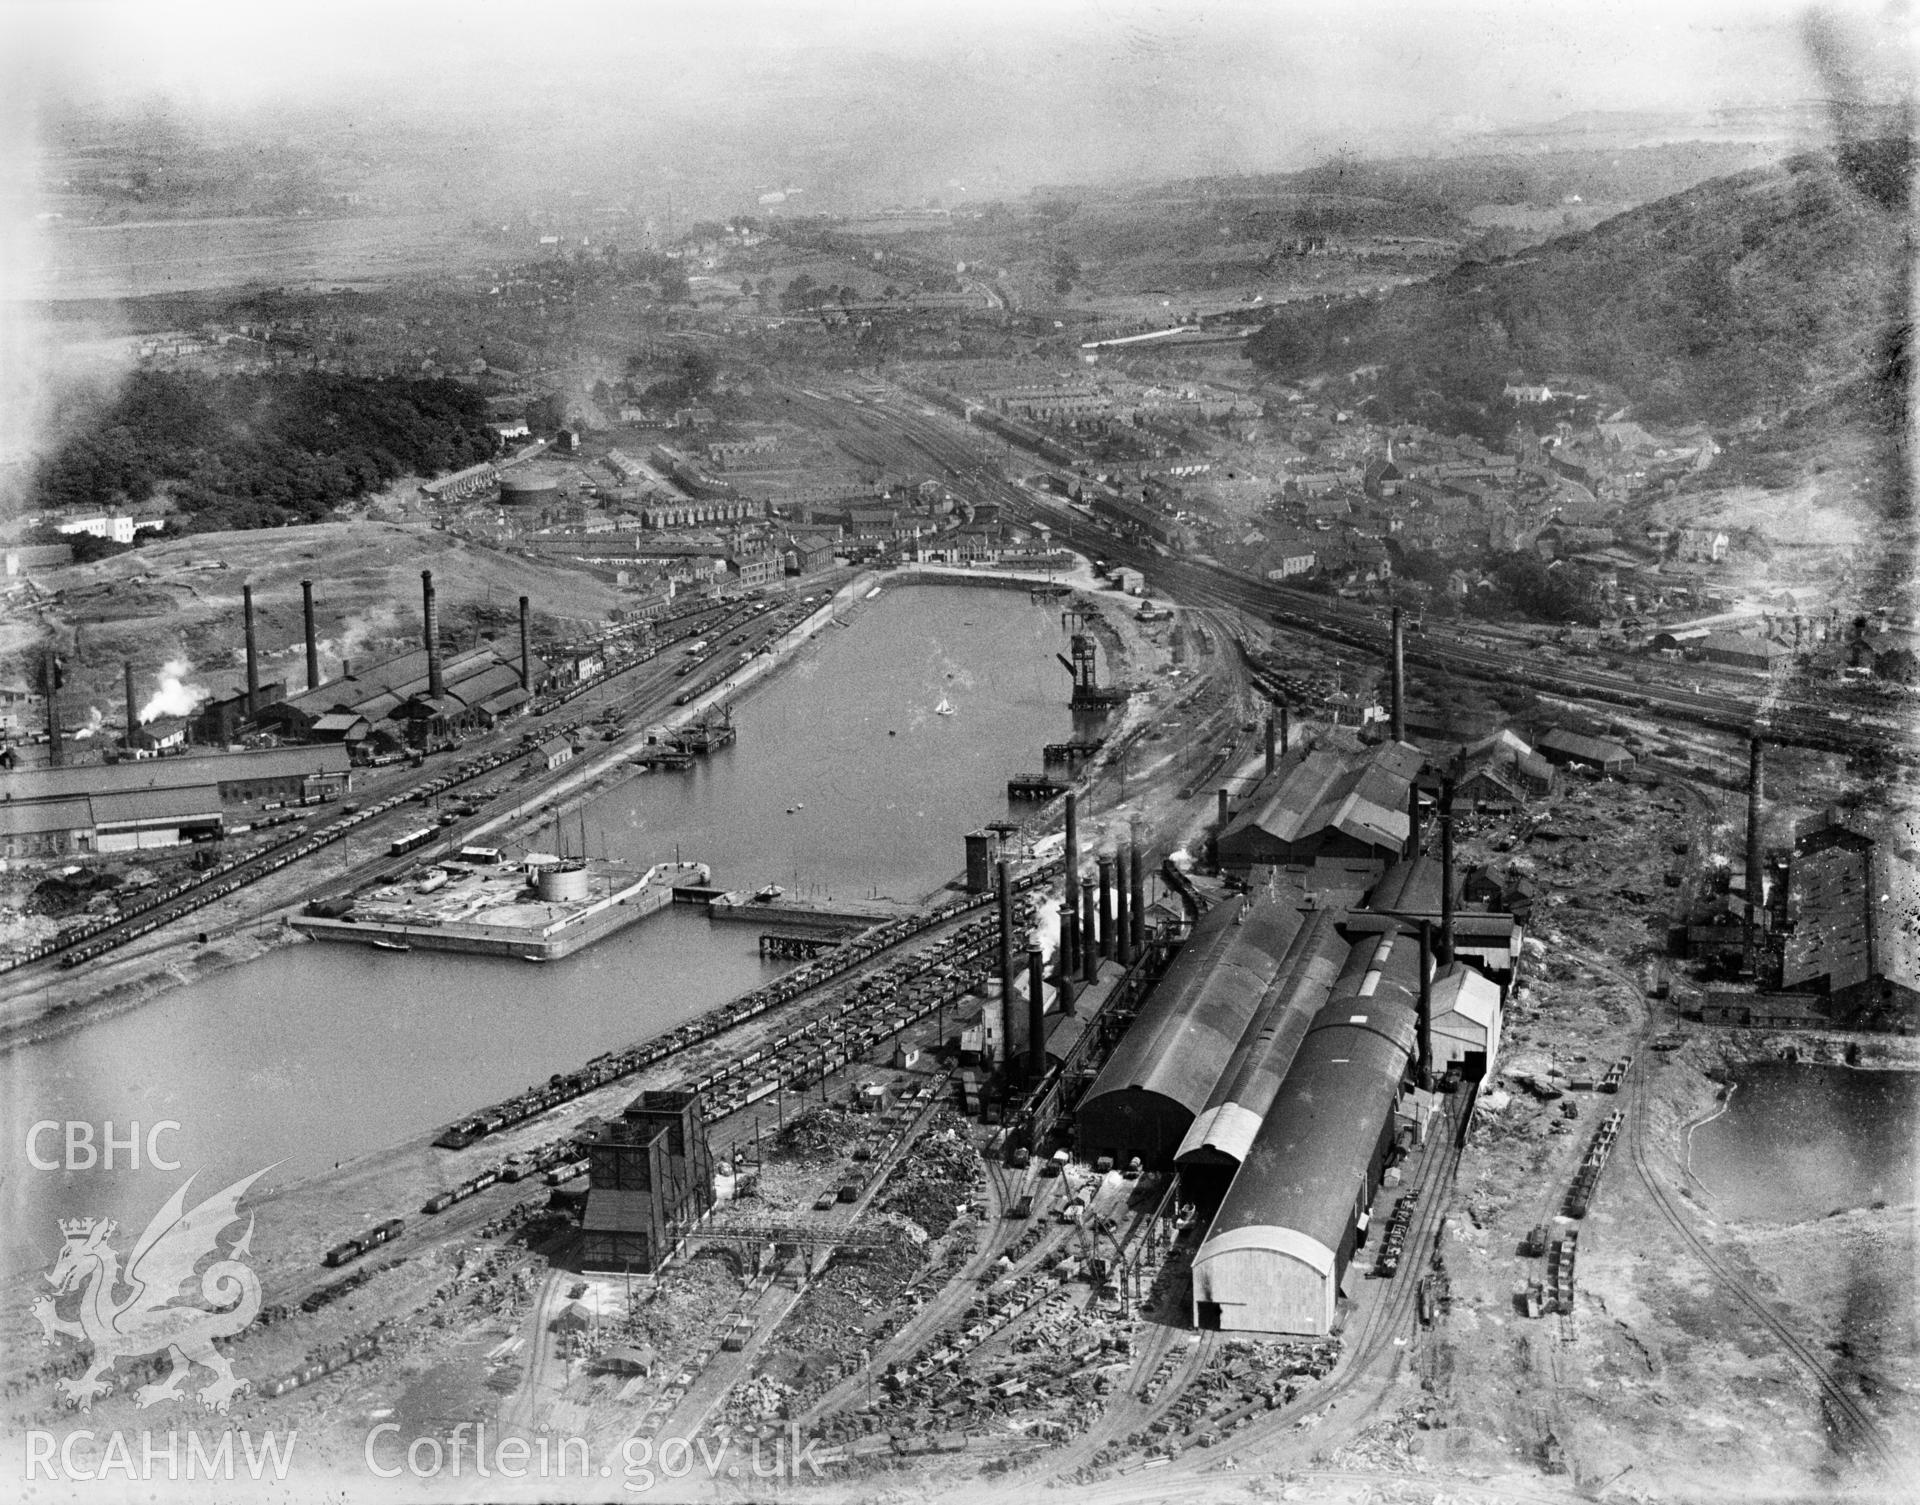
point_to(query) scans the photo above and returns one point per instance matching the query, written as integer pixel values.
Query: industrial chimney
(1286, 727)
(1004, 900)
(430, 610)
(1756, 874)
(1036, 1018)
(1089, 936)
(1123, 912)
(253, 654)
(1137, 882)
(1446, 870)
(133, 706)
(1070, 901)
(1424, 1067)
(1399, 679)
(526, 646)
(1069, 951)
(1270, 752)
(1106, 905)
(313, 638)
(56, 746)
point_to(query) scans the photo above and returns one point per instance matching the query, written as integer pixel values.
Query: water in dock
(317, 1053)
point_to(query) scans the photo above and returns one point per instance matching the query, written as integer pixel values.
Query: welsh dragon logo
(147, 1319)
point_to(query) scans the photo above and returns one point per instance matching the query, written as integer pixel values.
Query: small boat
(384, 945)
(945, 708)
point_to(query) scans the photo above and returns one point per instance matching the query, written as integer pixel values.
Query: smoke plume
(175, 697)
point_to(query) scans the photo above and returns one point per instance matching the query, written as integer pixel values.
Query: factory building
(1344, 813)
(153, 802)
(1217, 1143)
(1296, 1176)
(1851, 935)
(1164, 1070)
(392, 696)
(1466, 1020)
(1279, 1248)
(651, 1181)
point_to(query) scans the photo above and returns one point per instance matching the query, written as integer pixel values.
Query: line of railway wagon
(72, 946)
(306, 1374)
(907, 992)
(613, 1065)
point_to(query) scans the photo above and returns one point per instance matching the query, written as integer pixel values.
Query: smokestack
(1756, 797)
(1004, 900)
(430, 610)
(56, 748)
(253, 655)
(1270, 753)
(1070, 904)
(1069, 948)
(1446, 871)
(1425, 1056)
(133, 706)
(526, 646)
(1089, 937)
(1286, 727)
(313, 638)
(1123, 912)
(1106, 906)
(1399, 679)
(1413, 819)
(1139, 903)
(1036, 1018)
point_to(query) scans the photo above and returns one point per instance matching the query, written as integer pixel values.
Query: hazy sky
(991, 90)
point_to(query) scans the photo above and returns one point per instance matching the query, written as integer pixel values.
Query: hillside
(1744, 300)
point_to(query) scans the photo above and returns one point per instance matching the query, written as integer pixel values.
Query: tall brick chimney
(430, 610)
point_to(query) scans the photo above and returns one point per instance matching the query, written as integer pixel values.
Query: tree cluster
(260, 451)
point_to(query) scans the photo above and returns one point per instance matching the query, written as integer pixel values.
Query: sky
(912, 95)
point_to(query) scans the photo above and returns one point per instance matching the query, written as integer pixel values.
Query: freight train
(353, 1248)
(564, 1087)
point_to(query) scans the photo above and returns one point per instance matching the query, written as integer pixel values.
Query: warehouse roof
(195, 802)
(1855, 915)
(1599, 750)
(1307, 1167)
(172, 773)
(1466, 1005)
(1247, 1087)
(1198, 1011)
(1363, 796)
(41, 817)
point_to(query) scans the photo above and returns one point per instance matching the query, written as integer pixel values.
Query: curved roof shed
(1164, 1069)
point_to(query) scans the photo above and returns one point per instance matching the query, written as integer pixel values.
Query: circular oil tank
(562, 885)
(526, 491)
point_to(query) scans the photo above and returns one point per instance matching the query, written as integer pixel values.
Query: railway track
(1859, 1430)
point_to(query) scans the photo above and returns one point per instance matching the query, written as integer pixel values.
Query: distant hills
(1742, 301)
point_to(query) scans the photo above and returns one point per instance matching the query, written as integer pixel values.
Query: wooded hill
(1750, 297)
(258, 451)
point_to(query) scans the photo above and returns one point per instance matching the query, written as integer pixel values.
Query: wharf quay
(789, 912)
(1036, 786)
(543, 915)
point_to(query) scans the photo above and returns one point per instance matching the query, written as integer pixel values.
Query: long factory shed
(1217, 1143)
(1166, 1067)
(1278, 1249)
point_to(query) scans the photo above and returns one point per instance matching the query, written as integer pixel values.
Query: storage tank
(528, 491)
(565, 884)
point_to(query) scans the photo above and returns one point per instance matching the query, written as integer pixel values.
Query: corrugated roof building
(1277, 1251)
(1166, 1066)
(1217, 1143)
(1326, 804)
